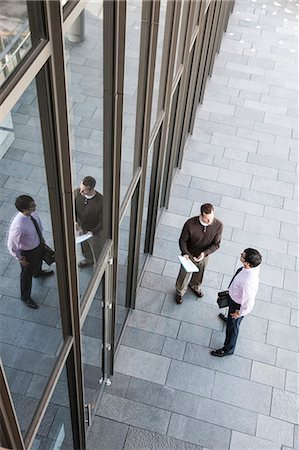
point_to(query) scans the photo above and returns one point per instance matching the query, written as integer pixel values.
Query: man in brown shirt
(201, 236)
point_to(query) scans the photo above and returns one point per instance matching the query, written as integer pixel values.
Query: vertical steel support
(114, 52)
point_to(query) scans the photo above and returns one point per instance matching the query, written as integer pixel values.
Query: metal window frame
(168, 56)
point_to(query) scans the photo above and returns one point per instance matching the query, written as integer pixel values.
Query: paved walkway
(168, 392)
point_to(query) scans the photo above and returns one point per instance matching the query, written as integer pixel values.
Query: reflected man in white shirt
(242, 292)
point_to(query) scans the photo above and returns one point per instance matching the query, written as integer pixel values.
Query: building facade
(107, 89)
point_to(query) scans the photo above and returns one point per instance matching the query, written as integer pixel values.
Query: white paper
(83, 238)
(188, 265)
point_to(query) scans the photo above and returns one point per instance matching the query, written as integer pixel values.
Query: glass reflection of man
(89, 218)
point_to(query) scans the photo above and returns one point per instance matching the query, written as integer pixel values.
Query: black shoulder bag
(223, 296)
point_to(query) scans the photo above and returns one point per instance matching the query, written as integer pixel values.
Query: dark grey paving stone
(62, 418)
(158, 282)
(142, 439)
(252, 396)
(18, 380)
(15, 308)
(194, 333)
(151, 322)
(134, 413)
(38, 384)
(41, 338)
(162, 397)
(9, 328)
(143, 340)
(199, 432)
(201, 356)
(27, 360)
(187, 377)
(106, 434)
(119, 386)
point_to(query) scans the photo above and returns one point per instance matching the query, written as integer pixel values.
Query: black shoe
(220, 352)
(222, 317)
(44, 273)
(29, 302)
(198, 294)
(85, 263)
(178, 299)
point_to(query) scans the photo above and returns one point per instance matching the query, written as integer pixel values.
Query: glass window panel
(84, 62)
(29, 338)
(181, 35)
(123, 251)
(15, 36)
(55, 431)
(92, 340)
(161, 29)
(133, 26)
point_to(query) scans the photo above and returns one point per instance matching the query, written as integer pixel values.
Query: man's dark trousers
(27, 272)
(232, 328)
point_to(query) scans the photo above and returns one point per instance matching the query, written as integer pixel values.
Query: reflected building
(107, 89)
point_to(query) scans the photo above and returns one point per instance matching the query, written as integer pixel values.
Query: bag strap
(38, 230)
(238, 271)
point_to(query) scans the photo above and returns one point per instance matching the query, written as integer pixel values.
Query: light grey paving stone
(142, 364)
(199, 432)
(250, 395)
(242, 441)
(284, 336)
(254, 328)
(195, 334)
(287, 359)
(208, 125)
(149, 300)
(294, 318)
(291, 281)
(179, 207)
(201, 356)
(296, 436)
(271, 311)
(106, 434)
(143, 340)
(280, 260)
(157, 282)
(157, 324)
(227, 416)
(171, 269)
(275, 430)
(285, 298)
(168, 233)
(164, 248)
(174, 220)
(219, 188)
(262, 198)
(134, 413)
(272, 186)
(257, 351)
(292, 382)
(190, 378)
(289, 231)
(173, 348)
(162, 397)
(155, 265)
(192, 311)
(142, 439)
(285, 406)
(249, 239)
(266, 374)
(234, 142)
(242, 206)
(195, 195)
(262, 225)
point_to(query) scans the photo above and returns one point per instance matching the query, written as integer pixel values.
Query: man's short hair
(252, 257)
(206, 208)
(89, 181)
(23, 202)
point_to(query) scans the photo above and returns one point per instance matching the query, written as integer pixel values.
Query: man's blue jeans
(232, 328)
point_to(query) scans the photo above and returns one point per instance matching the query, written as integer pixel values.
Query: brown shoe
(178, 299)
(198, 294)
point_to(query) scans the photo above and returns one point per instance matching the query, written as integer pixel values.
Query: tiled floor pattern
(168, 392)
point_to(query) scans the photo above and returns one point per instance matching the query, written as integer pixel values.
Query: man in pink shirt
(242, 292)
(25, 243)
